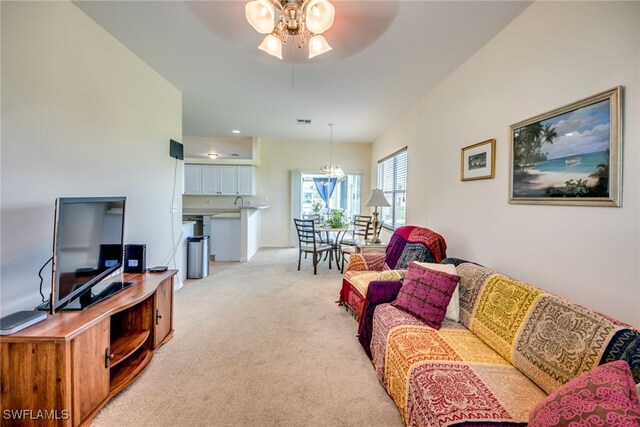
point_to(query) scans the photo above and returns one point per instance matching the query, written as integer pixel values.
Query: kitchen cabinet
(210, 179)
(225, 237)
(246, 181)
(192, 179)
(228, 181)
(219, 180)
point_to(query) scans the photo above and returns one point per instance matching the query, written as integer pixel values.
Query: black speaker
(135, 258)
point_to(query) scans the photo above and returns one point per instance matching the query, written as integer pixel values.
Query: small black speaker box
(135, 258)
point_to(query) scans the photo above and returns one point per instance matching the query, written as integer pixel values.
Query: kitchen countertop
(226, 215)
(213, 211)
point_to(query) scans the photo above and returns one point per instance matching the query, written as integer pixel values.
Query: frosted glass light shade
(318, 45)
(272, 45)
(319, 16)
(377, 198)
(333, 171)
(261, 15)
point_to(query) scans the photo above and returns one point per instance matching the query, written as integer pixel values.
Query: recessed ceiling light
(235, 131)
(213, 155)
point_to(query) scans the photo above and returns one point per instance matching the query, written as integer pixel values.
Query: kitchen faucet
(241, 200)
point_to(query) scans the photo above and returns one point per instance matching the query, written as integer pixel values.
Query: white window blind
(392, 180)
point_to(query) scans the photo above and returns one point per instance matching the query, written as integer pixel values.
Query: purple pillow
(425, 294)
(604, 396)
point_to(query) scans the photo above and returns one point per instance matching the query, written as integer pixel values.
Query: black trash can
(197, 257)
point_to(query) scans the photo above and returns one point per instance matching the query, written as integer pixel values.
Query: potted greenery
(336, 218)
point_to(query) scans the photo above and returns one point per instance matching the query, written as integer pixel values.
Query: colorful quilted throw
(412, 243)
(408, 243)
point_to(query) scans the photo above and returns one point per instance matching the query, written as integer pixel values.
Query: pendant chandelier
(296, 18)
(330, 169)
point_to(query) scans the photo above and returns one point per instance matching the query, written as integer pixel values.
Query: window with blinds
(392, 180)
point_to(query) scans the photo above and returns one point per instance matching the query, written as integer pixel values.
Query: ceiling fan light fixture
(319, 16)
(295, 18)
(318, 45)
(261, 15)
(271, 45)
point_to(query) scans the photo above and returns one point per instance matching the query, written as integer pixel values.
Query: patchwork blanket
(408, 243)
(514, 344)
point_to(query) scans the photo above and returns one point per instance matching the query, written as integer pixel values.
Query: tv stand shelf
(78, 360)
(125, 345)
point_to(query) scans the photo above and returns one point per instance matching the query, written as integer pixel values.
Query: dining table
(335, 241)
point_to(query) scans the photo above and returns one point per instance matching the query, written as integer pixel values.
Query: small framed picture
(478, 161)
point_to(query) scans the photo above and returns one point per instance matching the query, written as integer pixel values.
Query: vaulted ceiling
(386, 55)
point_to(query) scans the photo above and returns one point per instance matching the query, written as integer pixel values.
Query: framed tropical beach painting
(569, 156)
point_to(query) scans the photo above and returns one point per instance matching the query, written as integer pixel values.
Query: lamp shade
(272, 45)
(319, 16)
(317, 46)
(261, 15)
(377, 198)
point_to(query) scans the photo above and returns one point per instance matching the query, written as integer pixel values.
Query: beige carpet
(258, 344)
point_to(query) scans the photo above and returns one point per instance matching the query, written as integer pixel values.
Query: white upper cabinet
(219, 180)
(228, 181)
(246, 181)
(192, 179)
(210, 179)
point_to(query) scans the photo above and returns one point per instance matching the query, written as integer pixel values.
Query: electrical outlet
(210, 202)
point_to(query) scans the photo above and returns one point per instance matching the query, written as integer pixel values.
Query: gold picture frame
(478, 161)
(571, 155)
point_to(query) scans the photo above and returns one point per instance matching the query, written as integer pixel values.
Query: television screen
(87, 245)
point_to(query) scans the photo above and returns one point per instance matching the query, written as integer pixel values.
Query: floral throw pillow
(425, 294)
(604, 396)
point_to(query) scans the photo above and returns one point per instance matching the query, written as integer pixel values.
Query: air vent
(303, 121)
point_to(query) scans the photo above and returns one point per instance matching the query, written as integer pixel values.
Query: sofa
(408, 243)
(513, 345)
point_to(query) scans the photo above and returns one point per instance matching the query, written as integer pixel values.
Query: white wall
(81, 116)
(554, 53)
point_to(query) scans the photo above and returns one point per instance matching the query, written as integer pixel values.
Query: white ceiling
(225, 148)
(386, 56)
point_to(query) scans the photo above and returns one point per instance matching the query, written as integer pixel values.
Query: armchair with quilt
(408, 243)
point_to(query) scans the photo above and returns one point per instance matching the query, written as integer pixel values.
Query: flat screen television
(88, 241)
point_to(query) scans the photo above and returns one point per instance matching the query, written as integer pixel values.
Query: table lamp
(376, 199)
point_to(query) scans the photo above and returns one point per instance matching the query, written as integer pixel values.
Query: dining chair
(362, 229)
(317, 219)
(309, 243)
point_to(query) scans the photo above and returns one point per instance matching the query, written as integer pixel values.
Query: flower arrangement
(336, 218)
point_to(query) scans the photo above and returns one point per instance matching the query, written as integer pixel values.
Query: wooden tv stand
(61, 371)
